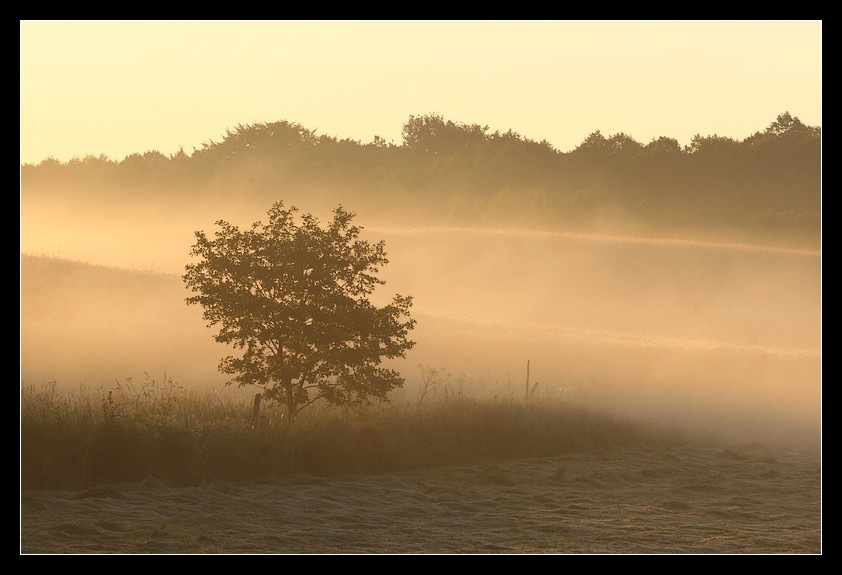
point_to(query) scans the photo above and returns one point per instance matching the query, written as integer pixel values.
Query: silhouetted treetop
(786, 125)
(663, 145)
(714, 144)
(253, 139)
(433, 134)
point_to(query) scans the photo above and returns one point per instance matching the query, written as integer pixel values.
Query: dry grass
(133, 431)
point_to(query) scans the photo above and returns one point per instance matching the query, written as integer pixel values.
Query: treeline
(451, 172)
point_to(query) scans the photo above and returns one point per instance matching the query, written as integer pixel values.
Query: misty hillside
(684, 333)
(678, 284)
(89, 324)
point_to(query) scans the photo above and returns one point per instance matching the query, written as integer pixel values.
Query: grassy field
(132, 431)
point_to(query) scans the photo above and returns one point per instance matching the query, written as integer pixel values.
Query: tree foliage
(433, 134)
(457, 173)
(295, 297)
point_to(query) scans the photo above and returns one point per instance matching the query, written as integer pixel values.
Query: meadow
(131, 431)
(156, 469)
(569, 393)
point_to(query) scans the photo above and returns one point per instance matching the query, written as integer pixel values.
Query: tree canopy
(767, 186)
(295, 297)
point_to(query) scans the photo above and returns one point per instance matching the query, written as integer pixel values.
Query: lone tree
(294, 296)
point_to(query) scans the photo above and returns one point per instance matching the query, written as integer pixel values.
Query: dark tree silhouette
(456, 173)
(294, 296)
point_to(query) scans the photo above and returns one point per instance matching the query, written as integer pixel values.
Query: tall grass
(132, 431)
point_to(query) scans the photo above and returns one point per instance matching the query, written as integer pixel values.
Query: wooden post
(527, 380)
(256, 409)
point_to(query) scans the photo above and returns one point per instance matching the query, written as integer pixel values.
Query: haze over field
(709, 325)
(710, 337)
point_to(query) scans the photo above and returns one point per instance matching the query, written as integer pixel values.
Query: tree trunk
(292, 406)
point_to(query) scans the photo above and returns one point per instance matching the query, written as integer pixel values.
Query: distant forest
(449, 173)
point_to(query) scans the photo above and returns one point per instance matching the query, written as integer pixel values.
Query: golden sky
(120, 87)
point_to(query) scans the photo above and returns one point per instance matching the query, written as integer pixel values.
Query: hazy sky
(120, 87)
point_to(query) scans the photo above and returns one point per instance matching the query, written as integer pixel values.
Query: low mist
(712, 336)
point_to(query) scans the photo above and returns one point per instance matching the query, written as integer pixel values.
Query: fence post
(256, 409)
(527, 381)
